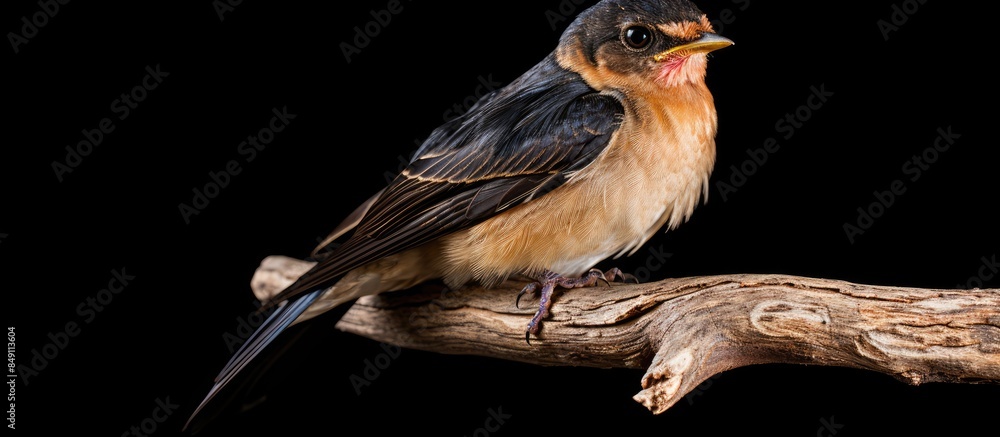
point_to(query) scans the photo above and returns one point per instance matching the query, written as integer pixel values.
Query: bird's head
(651, 44)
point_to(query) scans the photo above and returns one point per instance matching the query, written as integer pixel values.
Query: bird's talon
(530, 288)
(533, 327)
(613, 274)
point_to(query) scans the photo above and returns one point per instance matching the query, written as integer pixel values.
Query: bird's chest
(652, 174)
(660, 165)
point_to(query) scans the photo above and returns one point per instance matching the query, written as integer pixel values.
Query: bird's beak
(707, 43)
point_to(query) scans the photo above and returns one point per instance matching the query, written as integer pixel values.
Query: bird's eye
(637, 37)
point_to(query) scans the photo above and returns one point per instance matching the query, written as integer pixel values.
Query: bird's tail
(254, 358)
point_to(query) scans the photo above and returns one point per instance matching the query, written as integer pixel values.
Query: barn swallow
(588, 154)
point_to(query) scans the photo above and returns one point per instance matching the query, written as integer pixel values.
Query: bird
(584, 157)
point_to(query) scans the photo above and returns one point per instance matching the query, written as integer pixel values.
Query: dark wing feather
(247, 365)
(515, 145)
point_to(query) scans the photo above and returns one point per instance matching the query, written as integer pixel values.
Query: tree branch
(685, 330)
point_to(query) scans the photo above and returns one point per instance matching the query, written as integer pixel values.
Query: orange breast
(652, 174)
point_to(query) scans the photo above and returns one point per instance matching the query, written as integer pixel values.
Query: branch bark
(685, 330)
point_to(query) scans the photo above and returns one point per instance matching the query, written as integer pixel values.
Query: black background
(162, 338)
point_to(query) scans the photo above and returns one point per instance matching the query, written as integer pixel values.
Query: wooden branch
(686, 330)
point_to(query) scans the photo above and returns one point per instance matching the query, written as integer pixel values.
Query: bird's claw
(615, 273)
(548, 281)
(530, 288)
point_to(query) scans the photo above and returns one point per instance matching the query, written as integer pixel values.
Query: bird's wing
(518, 145)
(514, 145)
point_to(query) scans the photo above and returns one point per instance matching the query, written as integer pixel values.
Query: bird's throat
(682, 70)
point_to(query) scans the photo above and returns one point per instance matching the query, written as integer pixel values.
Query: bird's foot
(548, 282)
